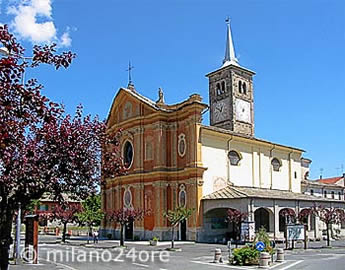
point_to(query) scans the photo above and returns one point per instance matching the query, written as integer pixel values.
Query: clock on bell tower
(231, 93)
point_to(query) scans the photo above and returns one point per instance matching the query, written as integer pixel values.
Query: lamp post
(5, 52)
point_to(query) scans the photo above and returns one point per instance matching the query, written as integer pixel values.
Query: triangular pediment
(129, 104)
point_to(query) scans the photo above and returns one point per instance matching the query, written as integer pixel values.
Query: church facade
(174, 160)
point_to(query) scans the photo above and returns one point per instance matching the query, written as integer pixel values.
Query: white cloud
(26, 25)
(65, 40)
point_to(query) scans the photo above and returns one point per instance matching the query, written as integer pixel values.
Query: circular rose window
(128, 154)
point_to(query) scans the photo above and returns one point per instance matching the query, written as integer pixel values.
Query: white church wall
(254, 168)
(214, 158)
(296, 168)
(280, 179)
(242, 175)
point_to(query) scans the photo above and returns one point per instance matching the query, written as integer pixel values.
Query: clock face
(243, 112)
(220, 111)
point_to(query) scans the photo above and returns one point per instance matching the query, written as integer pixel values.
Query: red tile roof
(332, 180)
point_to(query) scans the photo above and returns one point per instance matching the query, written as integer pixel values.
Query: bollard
(280, 255)
(218, 256)
(264, 260)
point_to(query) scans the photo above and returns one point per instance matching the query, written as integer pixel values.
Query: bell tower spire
(230, 57)
(231, 93)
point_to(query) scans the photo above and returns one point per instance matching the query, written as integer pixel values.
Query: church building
(174, 160)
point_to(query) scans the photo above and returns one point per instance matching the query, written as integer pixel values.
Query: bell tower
(231, 93)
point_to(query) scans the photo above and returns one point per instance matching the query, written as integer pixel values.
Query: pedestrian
(95, 237)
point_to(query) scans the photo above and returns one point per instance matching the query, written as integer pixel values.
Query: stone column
(276, 219)
(250, 210)
(317, 227)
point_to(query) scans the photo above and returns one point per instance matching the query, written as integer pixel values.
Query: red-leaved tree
(41, 149)
(236, 217)
(125, 217)
(64, 214)
(329, 216)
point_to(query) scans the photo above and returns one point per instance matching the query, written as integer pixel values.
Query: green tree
(92, 213)
(175, 217)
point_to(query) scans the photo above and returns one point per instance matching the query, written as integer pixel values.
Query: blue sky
(295, 47)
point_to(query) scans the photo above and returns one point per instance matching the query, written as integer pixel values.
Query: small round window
(234, 157)
(128, 154)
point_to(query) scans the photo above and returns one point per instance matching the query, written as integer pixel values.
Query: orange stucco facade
(165, 168)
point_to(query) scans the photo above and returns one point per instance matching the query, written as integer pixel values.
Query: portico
(267, 208)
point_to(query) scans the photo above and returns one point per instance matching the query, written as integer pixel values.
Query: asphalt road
(192, 257)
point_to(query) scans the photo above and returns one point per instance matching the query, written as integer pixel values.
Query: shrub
(262, 236)
(246, 256)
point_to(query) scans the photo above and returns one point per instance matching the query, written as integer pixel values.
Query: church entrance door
(129, 231)
(183, 230)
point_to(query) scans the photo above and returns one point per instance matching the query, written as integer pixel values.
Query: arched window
(339, 195)
(128, 154)
(276, 164)
(234, 157)
(244, 88)
(218, 90)
(306, 175)
(223, 87)
(240, 87)
(333, 196)
(311, 192)
(325, 193)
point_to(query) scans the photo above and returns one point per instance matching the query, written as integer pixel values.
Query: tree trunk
(88, 234)
(122, 241)
(328, 240)
(173, 237)
(64, 232)
(6, 218)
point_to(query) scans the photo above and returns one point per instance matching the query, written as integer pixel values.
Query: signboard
(29, 231)
(295, 232)
(247, 231)
(31, 237)
(260, 246)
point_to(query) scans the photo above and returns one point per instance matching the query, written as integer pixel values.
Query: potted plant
(154, 241)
